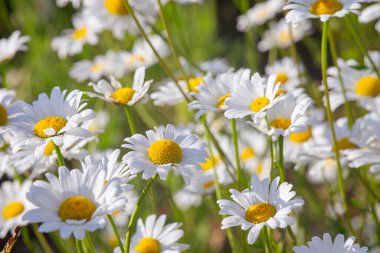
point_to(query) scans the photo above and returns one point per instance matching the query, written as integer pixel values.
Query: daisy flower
(162, 149)
(74, 202)
(155, 237)
(50, 118)
(10, 110)
(10, 46)
(63, 3)
(327, 245)
(13, 205)
(323, 9)
(265, 204)
(167, 93)
(215, 66)
(370, 14)
(278, 35)
(259, 14)
(286, 73)
(71, 42)
(214, 91)
(287, 116)
(252, 97)
(114, 92)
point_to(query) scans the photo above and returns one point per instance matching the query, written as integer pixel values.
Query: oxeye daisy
(252, 97)
(259, 14)
(327, 245)
(155, 237)
(10, 110)
(287, 116)
(286, 71)
(168, 93)
(323, 9)
(114, 92)
(265, 204)
(74, 202)
(49, 118)
(10, 46)
(213, 93)
(278, 35)
(163, 149)
(71, 42)
(371, 13)
(13, 205)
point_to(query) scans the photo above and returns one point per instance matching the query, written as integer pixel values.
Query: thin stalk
(60, 244)
(60, 160)
(116, 232)
(159, 58)
(89, 244)
(42, 240)
(270, 142)
(170, 40)
(268, 241)
(359, 43)
(292, 235)
(26, 239)
(347, 106)
(330, 117)
(281, 167)
(145, 116)
(4, 81)
(134, 216)
(236, 148)
(79, 246)
(131, 122)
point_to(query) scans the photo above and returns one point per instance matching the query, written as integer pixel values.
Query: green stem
(368, 185)
(347, 106)
(60, 160)
(4, 72)
(281, 167)
(236, 147)
(79, 246)
(292, 236)
(131, 122)
(270, 142)
(26, 239)
(134, 216)
(159, 58)
(268, 241)
(42, 240)
(89, 244)
(145, 116)
(117, 234)
(330, 118)
(359, 42)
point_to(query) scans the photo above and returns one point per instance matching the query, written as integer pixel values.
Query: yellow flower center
(164, 152)
(193, 84)
(282, 78)
(55, 122)
(208, 184)
(284, 37)
(148, 245)
(12, 210)
(135, 58)
(260, 168)
(247, 153)
(280, 91)
(344, 143)
(96, 68)
(80, 33)
(116, 7)
(325, 7)
(368, 86)
(222, 100)
(3, 116)
(259, 213)
(259, 103)
(300, 137)
(262, 13)
(76, 208)
(123, 96)
(209, 164)
(280, 123)
(49, 148)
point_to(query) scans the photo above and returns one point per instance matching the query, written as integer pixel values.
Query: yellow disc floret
(344, 143)
(280, 123)
(3, 116)
(325, 7)
(80, 33)
(148, 245)
(116, 7)
(123, 96)
(222, 100)
(208, 184)
(12, 210)
(259, 213)
(368, 86)
(282, 78)
(193, 84)
(49, 148)
(259, 103)
(300, 137)
(247, 154)
(55, 122)
(164, 152)
(76, 208)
